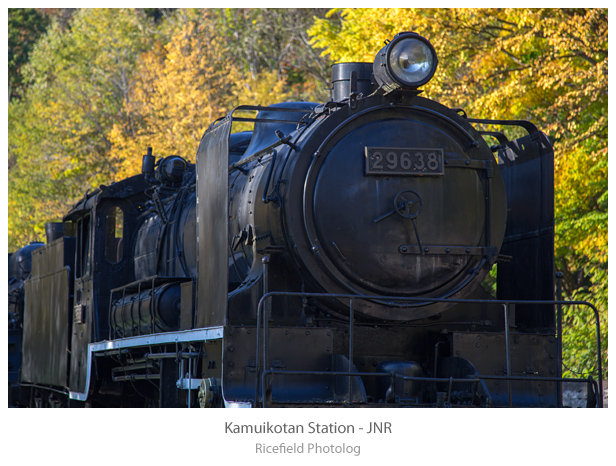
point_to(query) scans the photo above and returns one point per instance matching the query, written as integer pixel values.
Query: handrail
(476, 379)
(352, 297)
(136, 288)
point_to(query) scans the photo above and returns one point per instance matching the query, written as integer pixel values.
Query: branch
(514, 58)
(580, 54)
(507, 70)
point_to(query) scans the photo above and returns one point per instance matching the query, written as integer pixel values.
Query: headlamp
(407, 62)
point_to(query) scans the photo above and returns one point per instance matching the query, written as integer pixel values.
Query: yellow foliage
(182, 88)
(266, 88)
(493, 62)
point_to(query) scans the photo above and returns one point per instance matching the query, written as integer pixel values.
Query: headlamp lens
(412, 61)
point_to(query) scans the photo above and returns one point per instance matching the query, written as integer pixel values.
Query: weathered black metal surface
(531, 356)
(20, 263)
(212, 225)
(167, 393)
(175, 240)
(14, 354)
(348, 245)
(351, 78)
(106, 230)
(151, 310)
(460, 392)
(48, 307)
(290, 348)
(400, 389)
(528, 173)
(187, 313)
(19, 269)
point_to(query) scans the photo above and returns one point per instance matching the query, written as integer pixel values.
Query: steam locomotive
(332, 256)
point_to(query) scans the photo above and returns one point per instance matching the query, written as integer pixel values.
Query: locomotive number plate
(403, 161)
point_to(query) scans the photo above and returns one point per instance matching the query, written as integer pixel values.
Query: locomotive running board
(202, 334)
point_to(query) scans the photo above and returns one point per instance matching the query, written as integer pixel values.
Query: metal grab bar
(506, 303)
(477, 379)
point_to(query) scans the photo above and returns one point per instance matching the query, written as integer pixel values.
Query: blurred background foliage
(90, 89)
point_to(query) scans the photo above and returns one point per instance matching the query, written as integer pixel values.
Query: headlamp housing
(407, 62)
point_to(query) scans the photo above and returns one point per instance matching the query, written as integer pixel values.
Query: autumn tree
(25, 26)
(79, 79)
(183, 86)
(545, 65)
(276, 40)
(105, 84)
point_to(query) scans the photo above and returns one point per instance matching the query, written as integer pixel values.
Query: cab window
(114, 234)
(83, 238)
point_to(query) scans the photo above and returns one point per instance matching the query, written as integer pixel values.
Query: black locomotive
(333, 256)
